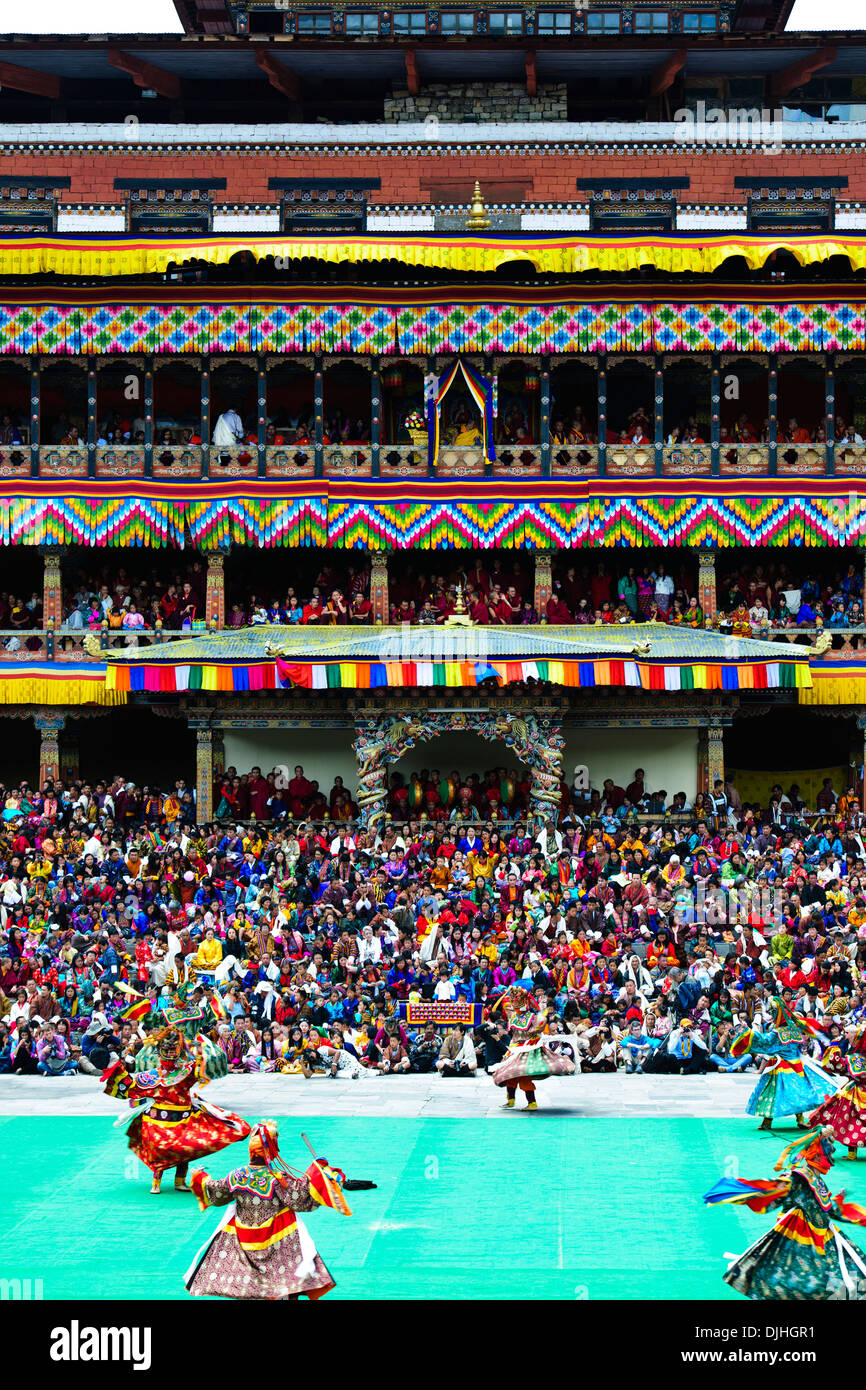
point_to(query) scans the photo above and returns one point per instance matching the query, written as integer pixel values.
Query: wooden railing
(356, 460)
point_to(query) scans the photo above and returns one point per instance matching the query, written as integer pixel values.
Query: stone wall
(479, 101)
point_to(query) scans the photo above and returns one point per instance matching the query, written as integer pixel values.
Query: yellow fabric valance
(83, 256)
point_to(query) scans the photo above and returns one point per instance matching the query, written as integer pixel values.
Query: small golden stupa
(459, 618)
(477, 221)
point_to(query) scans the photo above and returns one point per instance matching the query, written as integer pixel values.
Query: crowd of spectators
(316, 932)
(769, 597)
(114, 597)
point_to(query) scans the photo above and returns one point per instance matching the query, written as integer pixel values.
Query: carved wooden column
(204, 418)
(375, 417)
(35, 398)
(773, 406)
(261, 416)
(319, 413)
(715, 755)
(602, 415)
(204, 775)
(707, 595)
(215, 590)
(659, 415)
(49, 727)
(52, 590)
(370, 752)
(91, 418)
(830, 411)
(379, 596)
(715, 413)
(544, 435)
(149, 421)
(543, 583)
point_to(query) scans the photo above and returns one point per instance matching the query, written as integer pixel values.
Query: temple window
(28, 206)
(686, 403)
(166, 206)
(316, 24)
(409, 22)
(63, 404)
(323, 205)
(505, 22)
(457, 22)
(402, 401)
(700, 22)
(621, 204)
(518, 404)
(603, 22)
(651, 22)
(791, 204)
(347, 404)
(361, 22)
(573, 405)
(630, 402)
(556, 22)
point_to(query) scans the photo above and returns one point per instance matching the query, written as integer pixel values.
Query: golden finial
(477, 221)
(459, 618)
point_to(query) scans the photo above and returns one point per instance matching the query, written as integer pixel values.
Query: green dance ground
(530, 1206)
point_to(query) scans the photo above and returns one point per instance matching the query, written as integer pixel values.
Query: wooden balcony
(177, 461)
(687, 460)
(744, 460)
(631, 460)
(63, 460)
(120, 461)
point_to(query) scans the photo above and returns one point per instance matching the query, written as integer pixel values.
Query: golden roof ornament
(477, 221)
(459, 618)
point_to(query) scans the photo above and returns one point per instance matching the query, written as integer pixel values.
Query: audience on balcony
(772, 596)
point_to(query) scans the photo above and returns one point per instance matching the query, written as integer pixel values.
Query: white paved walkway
(409, 1097)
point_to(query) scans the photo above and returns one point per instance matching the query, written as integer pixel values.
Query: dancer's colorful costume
(805, 1256)
(261, 1249)
(793, 1083)
(845, 1112)
(530, 1056)
(172, 1126)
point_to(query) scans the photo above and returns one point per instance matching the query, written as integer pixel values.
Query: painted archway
(383, 740)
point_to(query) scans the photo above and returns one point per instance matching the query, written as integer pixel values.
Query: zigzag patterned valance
(380, 516)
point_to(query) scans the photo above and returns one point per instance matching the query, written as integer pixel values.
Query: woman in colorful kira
(793, 1083)
(845, 1112)
(261, 1248)
(529, 1057)
(172, 1126)
(805, 1256)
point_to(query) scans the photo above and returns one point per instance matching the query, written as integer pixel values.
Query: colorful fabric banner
(57, 683)
(366, 675)
(394, 329)
(441, 1013)
(696, 253)
(437, 514)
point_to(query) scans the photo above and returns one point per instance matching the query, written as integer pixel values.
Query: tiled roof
(316, 644)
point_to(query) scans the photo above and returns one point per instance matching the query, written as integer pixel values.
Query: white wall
(323, 753)
(669, 757)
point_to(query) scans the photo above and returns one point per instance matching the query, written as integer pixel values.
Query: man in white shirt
(370, 950)
(229, 429)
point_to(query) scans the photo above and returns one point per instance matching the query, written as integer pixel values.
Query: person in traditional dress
(845, 1112)
(172, 1126)
(794, 1083)
(530, 1056)
(805, 1256)
(261, 1248)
